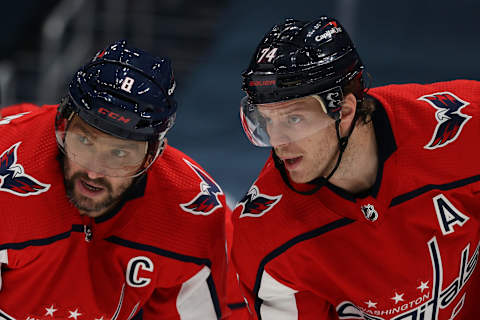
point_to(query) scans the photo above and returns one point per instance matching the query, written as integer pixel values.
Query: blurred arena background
(210, 42)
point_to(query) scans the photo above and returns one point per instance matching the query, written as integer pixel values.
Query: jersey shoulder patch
(450, 119)
(255, 204)
(207, 200)
(13, 178)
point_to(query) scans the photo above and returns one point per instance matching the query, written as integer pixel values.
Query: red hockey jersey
(406, 250)
(160, 256)
(235, 300)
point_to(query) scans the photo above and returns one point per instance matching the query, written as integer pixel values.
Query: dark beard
(83, 203)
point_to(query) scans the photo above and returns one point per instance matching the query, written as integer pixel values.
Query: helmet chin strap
(342, 144)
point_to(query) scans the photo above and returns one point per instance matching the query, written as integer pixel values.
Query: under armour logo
(369, 212)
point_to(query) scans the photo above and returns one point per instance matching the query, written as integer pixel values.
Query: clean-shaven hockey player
(99, 217)
(369, 205)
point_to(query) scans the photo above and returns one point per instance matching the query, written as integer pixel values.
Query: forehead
(305, 104)
(79, 126)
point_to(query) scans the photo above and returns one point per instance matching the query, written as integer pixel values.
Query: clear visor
(102, 153)
(284, 122)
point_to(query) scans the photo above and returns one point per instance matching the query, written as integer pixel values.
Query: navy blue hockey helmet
(297, 59)
(124, 92)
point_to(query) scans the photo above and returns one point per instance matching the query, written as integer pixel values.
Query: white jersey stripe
(194, 300)
(4, 316)
(279, 301)
(3, 259)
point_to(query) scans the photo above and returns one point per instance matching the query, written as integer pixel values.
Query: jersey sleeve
(274, 278)
(235, 300)
(200, 292)
(271, 297)
(194, 299)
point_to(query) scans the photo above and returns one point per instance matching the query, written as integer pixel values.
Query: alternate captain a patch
(450, 119)
(207, 201)
(13, 178)
(256, 204)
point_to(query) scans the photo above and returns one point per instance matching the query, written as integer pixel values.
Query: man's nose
(95, 174)
(97, 166)
(278, 137)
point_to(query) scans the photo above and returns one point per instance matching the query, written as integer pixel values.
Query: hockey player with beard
(99, 217)
(368, 207)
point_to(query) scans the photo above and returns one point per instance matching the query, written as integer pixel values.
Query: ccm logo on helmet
(113, 115)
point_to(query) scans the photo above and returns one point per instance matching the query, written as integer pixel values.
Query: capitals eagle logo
(256, 204)
(450, 119)
(207, 200)
(13, 178)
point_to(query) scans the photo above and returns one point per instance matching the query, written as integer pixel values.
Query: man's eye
(84, 140)
(119, 153)
(294, 119)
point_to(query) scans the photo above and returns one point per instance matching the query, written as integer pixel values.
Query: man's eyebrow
(287, 110)
(93, 136)
(77, 125)
(125, 146)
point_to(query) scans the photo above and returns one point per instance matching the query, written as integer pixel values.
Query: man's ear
(349, 106)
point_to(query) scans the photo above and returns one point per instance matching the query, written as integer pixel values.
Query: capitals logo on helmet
(450, 119)
(256, 204)
(13, 178)
(207, 201)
